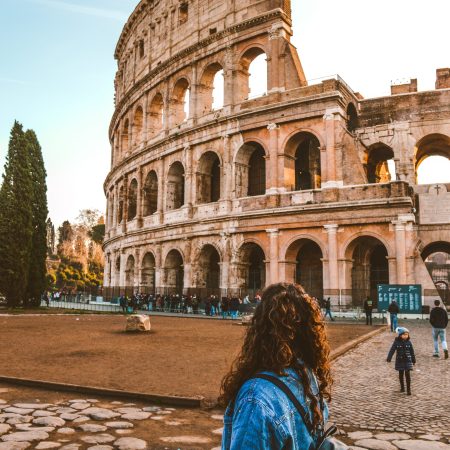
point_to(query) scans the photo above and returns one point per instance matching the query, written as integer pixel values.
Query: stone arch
(304, 265)
(245, 79)
(252, 267)
(208, 268)
(125, 136)
(302, 161)
(352, 117)
(138, 125)
(208, 90)
(250, 170)
(180, 101)
(174, 271)
(132, 199)
(148, 271)
(208, 178)
(380, 166)
(130, 271)
(175, 186)
(436, 256)
(368, 267)
(156, 114)
(435, 146)
(150, 193)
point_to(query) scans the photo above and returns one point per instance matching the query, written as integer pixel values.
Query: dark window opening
(257, 173)
(183, 13)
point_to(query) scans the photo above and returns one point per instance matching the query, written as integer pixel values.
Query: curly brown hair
(286, 330)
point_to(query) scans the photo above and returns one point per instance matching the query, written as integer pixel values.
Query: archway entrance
(148, 274)
(174, 272)
(129, 274)
(370, 268)
(437, 260)
(208, 178)
(209, 271)
(253, 268)
(250, 170)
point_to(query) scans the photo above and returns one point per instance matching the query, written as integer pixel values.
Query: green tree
(37, 282)
(16, 219)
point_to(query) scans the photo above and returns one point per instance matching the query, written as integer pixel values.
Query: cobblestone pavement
(367, 396)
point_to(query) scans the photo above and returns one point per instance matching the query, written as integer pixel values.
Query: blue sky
(57, 70)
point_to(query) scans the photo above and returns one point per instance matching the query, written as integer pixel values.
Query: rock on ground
(47, 444)
(50, 421)
(25, 436)
(130, 443)
(136, 416)
(14, 445)
(92, 428)
(100, 413)
(119, 425)
(374, 444)
(98, 439)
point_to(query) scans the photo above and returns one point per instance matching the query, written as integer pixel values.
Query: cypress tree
(37, 268)
(15, 219)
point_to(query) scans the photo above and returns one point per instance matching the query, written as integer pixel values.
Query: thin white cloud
(81, 9)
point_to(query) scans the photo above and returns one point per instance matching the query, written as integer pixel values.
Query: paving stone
(137, 416)
(218, 431)
(128, 410)
(103, 438)
(69, 416)
(29, 427)
(77, 400)
(119, 425)
(14, 445)
(21, 411)
(421, 445)
(4, 428)
(391, 436)
(92, 428)
(375, 444)
(157, 417)
(186, 440)
(25, 436)
(19, 419)
(50, 421)
(122, 432)
(360, 435)
(173, 423)
(100, 413)
(217, 416)
(81, 419)
(130, 443)
(80, 406)
(66, 410)
(33, 405)
(66, 430)
(43, 413)
(151, 409)
(92, 400)
(71, 447)
(430, 437)
(47, 444)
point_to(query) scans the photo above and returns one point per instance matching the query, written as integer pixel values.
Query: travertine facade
(292, 185)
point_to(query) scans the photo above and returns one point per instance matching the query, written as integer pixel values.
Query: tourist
(393, 311)
(439, 322)
(404, 359)
(234, 307)
(368, 307)
(286, 342)
(328, 309)
(123, 303)
(246, 300)
(224, 305)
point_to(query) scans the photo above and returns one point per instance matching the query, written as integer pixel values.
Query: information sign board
(407, 296)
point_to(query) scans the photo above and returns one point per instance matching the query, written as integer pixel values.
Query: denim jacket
(262, 416)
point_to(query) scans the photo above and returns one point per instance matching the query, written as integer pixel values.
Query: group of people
(212, 305)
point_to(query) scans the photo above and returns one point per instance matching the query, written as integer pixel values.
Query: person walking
(439, 322)
(405, 358)
(393, 311)
(368, 307)
(328, 309)
(283, 368)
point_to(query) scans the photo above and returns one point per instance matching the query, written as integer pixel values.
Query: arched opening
(120, 208)
(369, 268)
(129, 272)
(180, 101)
(117, 271)
(175, 186)
(253, 265)
(352, 118)
(138, 124)
(132, 199)
(156, 115)
(250, 170)
(253, 75)
(174, 272)
(433, 159)
(124, 137)
(437, 260)
(148, 273)
(304, 262)
(150, 193)
(380, 165)
(211, 88)
(208, 178)
(209, 269)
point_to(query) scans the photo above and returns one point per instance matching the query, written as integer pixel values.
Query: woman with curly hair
(286, 341)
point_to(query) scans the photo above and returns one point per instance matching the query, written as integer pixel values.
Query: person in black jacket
(439, 322)
(368, 307)
(393, 311)
(405, 358)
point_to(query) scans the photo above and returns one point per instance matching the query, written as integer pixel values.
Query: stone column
(189, 179)
(125, 204)
(158, 267)
(137, 268)
(187, 281)
(273, 255)
(116, 206)
(161, 186)
(272, 182)
(194, 103)
(107, 271)
(114, 281)
(400, 251)
(392, 262)
(227, 173)
(123, 264)
(275, 60)
(333, 273)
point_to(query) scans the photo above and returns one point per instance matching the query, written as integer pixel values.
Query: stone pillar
(329, 172)
(187, 281)
(125, 204)
(333, 273)
(158, 267)
(114, 281)
(123, 264)
(273, 256)
(189, 179)
(194, 103)
(275, 60)
(161, 186)
(287, 271)
(400, 251)
(392, 262)
(272, 176)
(107, 271)
(227, 173)
(137, 268)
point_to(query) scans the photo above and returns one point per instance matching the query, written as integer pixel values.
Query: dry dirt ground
(184, 357)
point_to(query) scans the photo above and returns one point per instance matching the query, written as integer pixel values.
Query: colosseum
(215, 188)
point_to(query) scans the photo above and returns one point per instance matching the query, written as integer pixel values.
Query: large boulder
(138, 322)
